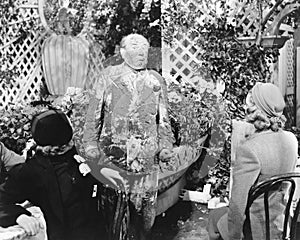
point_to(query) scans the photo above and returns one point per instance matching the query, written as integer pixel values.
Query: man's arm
(9, 158)
(95, 112)
(92, 123)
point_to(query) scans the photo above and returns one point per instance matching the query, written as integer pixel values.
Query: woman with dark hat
(52, 181)
(267, 152)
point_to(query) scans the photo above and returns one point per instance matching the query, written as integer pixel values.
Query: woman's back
(277, 154)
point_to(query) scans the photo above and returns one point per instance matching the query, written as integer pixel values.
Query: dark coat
(62, 193)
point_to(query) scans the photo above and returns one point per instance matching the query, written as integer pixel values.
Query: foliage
(191, 110)
(67, 19)
(15, 123)
(13, 25)
(228, 61)
(7, 76)
(125, 17)
(106, 23)
(222, 60)
(15, 126)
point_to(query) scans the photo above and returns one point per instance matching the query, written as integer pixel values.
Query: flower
(191, 118)
(174, 97)
(73, 91)
(15, 126)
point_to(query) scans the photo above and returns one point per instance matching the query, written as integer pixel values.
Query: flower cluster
(15, 126)
(191, 109)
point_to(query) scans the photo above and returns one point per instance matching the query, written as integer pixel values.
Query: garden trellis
(180, 61)
(25, 57)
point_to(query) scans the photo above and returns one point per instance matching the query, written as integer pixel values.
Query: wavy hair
(50, 150)
(262, 122)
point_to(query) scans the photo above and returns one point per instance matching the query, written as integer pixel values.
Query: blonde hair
(262, 122)
(54, 150)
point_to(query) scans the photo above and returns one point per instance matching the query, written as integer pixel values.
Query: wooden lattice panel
(95, 64)
(24, 57)
(246, 16)
(287, 78)
(290, 63)
(180, 61)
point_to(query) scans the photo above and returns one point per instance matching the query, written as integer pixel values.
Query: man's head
(134, 50)
(51, 128)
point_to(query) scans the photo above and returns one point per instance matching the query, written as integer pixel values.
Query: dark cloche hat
(51, 127)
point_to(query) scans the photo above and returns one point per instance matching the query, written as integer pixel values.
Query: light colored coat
(9, 158)
(131, 109)
(261, 156)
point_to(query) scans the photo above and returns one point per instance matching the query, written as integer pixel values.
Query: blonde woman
(267, 152)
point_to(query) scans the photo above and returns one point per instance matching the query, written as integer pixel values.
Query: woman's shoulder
(262, 139)
(291, 137)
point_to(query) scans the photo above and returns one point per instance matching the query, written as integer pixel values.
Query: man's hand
(93, 153)
(112, 175)
(30, 224)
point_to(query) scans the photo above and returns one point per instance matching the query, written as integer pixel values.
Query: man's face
(136, 52)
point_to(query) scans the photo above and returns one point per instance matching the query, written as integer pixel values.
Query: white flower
(70, 91)
(133, 148)
(73, 91)
(220, 87)
(155, 23)
(201, 20)
(3, 67)
(174, 97)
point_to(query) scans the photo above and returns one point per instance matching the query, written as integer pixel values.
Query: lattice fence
(25, 57)
(177, 63)
(180, 61)
(286, 74)
(246, 16)
(95, 66)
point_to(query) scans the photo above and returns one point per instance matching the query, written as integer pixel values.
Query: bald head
(134, 50)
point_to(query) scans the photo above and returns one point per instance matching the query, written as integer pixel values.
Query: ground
(183, 221)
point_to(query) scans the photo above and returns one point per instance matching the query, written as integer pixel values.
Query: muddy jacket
(130, 108)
